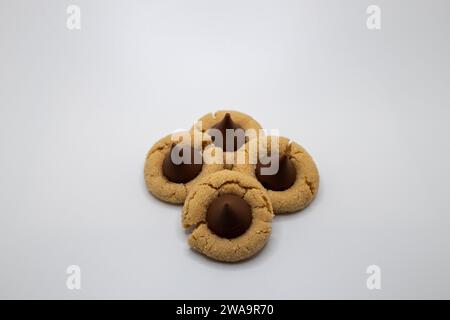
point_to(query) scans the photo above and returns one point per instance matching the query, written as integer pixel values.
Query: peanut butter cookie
(295, 183)
(228, 130)
(230, 215)
(170, 173)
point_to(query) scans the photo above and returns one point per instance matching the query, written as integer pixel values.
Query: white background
(80, 109)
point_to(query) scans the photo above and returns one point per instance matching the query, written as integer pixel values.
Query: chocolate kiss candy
(283, 179)
(222, 126)
(229, 216)
(183, 172)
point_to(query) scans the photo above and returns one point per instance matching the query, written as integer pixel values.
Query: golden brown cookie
(171, 182)
(295, 184)
(246, 129)
(241, 119)
(223, 229)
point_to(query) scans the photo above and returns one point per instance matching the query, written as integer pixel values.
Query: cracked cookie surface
(155, 179)
(204, 193)
(306, 184)
(209, 120)
(242, 120)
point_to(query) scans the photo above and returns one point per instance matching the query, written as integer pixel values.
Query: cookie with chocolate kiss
(173, 167)
(235, 122)
(295, 184)
(230, 216)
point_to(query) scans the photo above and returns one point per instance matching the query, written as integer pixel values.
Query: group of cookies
(228, 199)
